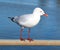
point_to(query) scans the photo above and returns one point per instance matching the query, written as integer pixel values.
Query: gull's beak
(45, 15)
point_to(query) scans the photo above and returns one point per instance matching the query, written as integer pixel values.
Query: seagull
(28, 21)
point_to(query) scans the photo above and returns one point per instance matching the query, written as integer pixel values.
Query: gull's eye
(40, 11)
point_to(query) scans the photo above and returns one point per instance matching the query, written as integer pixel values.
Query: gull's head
(38, 11)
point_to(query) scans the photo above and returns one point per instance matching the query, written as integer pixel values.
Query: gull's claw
(30, 39)
(22, 39)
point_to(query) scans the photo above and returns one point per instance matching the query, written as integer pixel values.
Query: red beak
(46, 15)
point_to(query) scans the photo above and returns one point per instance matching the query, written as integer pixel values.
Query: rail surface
(32, 43)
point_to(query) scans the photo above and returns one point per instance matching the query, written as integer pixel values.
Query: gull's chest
(34, 20)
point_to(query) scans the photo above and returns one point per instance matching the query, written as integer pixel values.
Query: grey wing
(24, 18)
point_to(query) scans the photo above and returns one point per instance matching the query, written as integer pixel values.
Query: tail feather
(11, 18)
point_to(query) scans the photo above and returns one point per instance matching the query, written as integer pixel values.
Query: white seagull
(28, 21)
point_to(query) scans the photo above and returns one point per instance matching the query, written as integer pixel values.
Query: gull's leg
(29, 35)
(22, 28)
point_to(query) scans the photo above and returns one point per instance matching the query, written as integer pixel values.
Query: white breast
(34, 21)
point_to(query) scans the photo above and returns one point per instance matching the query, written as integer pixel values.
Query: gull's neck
(36, 14)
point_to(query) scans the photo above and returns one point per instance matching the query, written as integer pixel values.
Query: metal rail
(32, 43)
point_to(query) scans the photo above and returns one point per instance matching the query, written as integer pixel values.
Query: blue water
(48, 28)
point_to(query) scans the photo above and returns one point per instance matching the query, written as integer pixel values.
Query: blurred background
(47, 29)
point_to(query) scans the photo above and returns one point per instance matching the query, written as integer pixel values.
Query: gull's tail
(11, 18)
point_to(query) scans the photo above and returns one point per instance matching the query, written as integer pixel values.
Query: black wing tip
(9, 17)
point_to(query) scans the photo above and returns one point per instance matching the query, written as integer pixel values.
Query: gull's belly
(30, 23)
